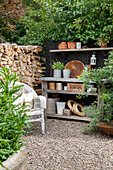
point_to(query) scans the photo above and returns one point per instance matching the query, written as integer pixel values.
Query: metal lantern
(93, 60)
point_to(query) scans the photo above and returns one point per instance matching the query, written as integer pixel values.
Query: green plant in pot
(102, 42)
(57, 67)
(12, 117)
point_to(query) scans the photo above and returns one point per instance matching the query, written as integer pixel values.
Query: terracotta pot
(103, 44)
(52, 85)
(62, 45)
(71, 45)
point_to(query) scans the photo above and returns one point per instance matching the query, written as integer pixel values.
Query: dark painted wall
(70, 56)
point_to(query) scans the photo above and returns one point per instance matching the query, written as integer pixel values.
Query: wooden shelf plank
(67, 80)
(84, 49)
(75, 80)
(86, 119)
(71, 92)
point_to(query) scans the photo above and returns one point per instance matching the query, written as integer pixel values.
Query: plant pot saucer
(106, 127)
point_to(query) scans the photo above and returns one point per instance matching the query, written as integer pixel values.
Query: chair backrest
(25, 88)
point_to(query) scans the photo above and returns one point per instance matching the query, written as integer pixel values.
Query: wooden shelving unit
(65, 54)
(46, 91)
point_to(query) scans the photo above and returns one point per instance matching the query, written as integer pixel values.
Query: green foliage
(57, 65)
(12, 117)
(70, 20)
(103, 78)
(94, 20)
(15, 35)
(10, 11)
(82, 20)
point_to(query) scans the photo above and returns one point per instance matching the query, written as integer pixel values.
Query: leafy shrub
(12, 117)
(103, 78)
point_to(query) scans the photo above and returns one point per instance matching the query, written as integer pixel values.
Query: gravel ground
(64, 147)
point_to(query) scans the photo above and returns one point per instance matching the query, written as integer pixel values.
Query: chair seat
(34, 120)
(34, 112)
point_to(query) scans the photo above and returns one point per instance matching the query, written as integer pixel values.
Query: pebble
(65, 147)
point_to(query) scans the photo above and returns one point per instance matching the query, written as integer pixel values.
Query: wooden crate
(75, 87)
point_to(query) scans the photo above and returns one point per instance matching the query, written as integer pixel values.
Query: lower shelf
(86, 119)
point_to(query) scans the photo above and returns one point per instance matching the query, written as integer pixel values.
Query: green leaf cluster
(12, 117)
(70, 20)
(57, 65)
(103, 79)
(94, 20)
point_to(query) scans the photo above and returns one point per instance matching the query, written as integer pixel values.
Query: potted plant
(12, 117)
(102, 42)
(57, 67)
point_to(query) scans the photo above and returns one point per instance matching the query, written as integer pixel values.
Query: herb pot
(57, 73)
(103, 44)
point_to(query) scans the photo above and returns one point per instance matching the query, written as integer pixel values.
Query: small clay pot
(62, 45)
(52, 85)
(103, 44)
(71, 45)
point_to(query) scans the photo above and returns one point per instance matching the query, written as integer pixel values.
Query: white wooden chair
(39, 104)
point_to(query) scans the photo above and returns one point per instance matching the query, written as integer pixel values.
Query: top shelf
(84, 49)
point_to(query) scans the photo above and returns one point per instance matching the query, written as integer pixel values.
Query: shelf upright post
(50, 63)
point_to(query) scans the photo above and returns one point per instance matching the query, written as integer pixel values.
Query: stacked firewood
(25, 61)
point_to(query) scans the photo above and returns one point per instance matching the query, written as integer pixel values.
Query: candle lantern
(93, 60)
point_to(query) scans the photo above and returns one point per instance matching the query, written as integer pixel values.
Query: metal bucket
(51, 105)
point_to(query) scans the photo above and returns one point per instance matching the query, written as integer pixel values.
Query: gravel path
(64, 147)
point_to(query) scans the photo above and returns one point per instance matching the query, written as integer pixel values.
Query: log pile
(25, 61)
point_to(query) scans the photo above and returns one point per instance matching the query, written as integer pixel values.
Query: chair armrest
(40, 102)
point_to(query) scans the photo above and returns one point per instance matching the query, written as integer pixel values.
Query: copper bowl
(76, 68)
(106, 127)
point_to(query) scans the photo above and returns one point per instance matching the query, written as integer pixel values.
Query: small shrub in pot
(57, 67)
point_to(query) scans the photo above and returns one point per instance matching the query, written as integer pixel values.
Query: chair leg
(43, 127)
(43, 122)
